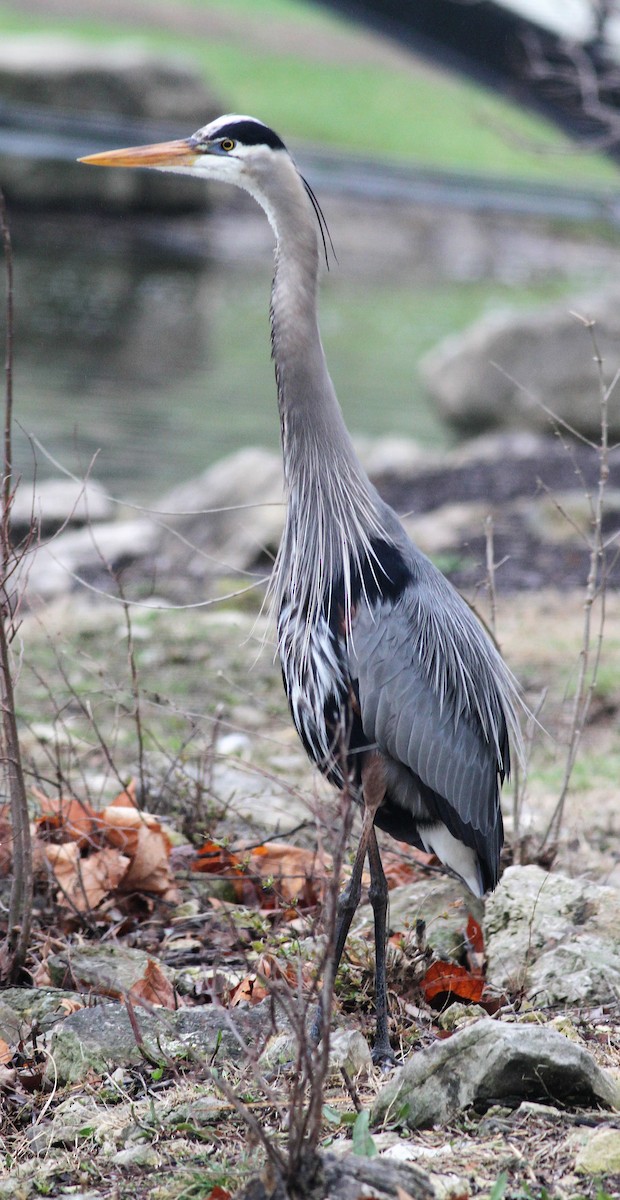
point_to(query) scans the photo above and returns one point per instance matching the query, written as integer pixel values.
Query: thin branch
(14, 951)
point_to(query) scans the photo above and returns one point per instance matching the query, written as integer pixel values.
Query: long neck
(332, 514)
(310, 416)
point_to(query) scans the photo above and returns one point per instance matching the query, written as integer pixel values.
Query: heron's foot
(383, 1056)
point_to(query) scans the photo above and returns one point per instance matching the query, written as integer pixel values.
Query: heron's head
(231, 149)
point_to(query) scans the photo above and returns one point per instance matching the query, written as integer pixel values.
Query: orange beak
(162, 154)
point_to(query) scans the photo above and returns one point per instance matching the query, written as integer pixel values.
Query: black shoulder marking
(383, 575)
(251, 133)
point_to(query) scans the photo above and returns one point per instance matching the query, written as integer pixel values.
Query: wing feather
(443, 720)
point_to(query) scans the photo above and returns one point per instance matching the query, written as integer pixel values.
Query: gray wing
(430, 693)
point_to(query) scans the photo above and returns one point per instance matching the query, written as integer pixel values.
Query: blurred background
(465, 156)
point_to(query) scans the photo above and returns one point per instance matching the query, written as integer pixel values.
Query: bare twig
(20, 908)
(594, 608)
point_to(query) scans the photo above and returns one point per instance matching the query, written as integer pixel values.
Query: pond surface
(142, 348)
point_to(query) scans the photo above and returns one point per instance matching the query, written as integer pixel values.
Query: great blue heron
(394, 687)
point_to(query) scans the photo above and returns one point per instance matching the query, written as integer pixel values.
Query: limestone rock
(54, 568)
(601, 1153)
(501, 370)
(59, 502)
(235, 515)
(109, 969)
(554, 936)
(487, 1062)
(101, 1039)
(439, 904)
(23, 1007)
(161, 94)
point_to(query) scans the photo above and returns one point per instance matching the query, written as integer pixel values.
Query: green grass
(420, 115)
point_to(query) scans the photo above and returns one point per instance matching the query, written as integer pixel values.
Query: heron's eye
(227, 144)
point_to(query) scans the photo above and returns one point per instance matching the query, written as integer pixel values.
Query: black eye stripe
(249, 133)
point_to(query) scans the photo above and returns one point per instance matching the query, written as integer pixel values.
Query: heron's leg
(378, 896)
(373, 792)
(348, 902)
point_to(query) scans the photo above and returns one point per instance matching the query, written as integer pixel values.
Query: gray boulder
(553, 937)
(504, 368)
(489, 1062)
(56, 567)
(59, 502)
(102, 1038)
(234, 514)
(57, 84)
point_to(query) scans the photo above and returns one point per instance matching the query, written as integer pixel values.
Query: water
(142, 355)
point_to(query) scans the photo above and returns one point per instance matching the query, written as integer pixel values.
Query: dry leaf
(69, 1006)
(293, 871)
(251, 990)
(154, 987)
(444, 978)
(149, 870)
(6, 1053)
(121, 827)
(70, 819)
(403, 864)
(127, 798)
(41, 976)
(84, 882)
(213, 859)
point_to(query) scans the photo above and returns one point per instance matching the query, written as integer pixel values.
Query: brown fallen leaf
(127, 798)
(84, 882)
(68, 1005)
(155, 988)
(214, 859)
(65, 819)
(297, 875)
(449, 979)
(403, 864)
(6, 1053)
(147, 846)
(251, 990)
(474, 942)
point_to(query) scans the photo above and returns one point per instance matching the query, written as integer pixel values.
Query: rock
(109, 969)
(555, 937)
(601, 1153)
(398, 457)
(50, 570)
(503, 368)
(457, 1016)
(161, 94)
(447, 527)
(235, 517)
(349, 1177)
(349, 1051)
(22, 1007)
(99, 1040)
(487, 1062)
(439, 904)
(58, 502)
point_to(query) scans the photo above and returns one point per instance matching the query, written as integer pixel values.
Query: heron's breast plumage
(319, 689)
